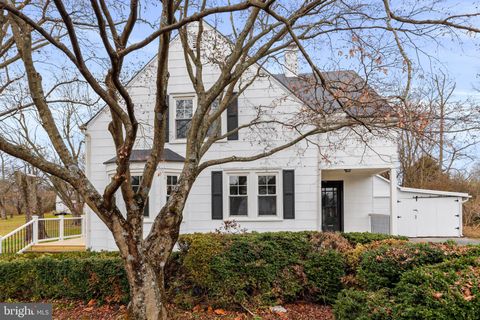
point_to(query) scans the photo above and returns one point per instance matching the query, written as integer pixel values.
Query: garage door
(429, 217)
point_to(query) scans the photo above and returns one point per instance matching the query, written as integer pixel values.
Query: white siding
(357, 199)
(304, 158)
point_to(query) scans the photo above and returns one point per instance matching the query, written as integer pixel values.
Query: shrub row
(257, 268)
(449, 290)
(383, 266)
(227, 269)
(83, 276)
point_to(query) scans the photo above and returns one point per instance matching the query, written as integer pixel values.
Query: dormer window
(183, 116)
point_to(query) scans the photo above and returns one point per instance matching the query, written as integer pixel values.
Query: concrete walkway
(460, 241)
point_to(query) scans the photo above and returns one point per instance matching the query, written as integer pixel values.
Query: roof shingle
(141, 155)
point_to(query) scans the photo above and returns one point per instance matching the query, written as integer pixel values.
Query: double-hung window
(238, 195)
(183, 116)
(267, 195)
(171, 184)
(136, 181)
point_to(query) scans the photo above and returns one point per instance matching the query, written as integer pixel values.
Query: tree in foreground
(45, 45)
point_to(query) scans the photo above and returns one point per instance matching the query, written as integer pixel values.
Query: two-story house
(330, 185)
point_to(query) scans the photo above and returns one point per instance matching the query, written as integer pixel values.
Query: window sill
(255, 219)
(184, 141)
(150, 220)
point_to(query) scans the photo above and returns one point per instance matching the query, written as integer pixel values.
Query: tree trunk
(145, 271)
(3, 212)
(147, 291)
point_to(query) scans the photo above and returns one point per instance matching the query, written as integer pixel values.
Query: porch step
(69, 245)
(58, 248)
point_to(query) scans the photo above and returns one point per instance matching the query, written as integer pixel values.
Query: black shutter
(288, 194)
(167, 126)
(232, 118)
(217, 195)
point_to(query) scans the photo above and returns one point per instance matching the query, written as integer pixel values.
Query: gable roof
(307, 88)
(141, 155)
(349, 87)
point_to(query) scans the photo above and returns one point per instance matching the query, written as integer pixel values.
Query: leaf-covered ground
(76, 310)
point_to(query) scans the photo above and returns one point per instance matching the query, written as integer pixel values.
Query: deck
(68, 245)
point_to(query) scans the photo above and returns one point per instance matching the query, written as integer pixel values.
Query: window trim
(277, 195)
(252, 193)
(248, 185)
(169, 174)
(173, 112)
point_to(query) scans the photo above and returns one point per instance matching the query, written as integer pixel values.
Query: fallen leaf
(197, 308)
(220, 312)
(437, 295)
(91, 303)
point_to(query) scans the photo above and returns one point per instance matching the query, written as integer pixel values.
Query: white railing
(42, 230)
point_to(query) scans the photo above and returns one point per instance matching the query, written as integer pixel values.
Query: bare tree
(96, 41)
(441, 136)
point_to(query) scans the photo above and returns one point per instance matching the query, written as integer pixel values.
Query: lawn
(12, 223)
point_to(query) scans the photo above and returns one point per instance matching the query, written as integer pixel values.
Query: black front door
(332, 205)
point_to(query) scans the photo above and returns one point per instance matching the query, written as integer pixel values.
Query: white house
(310, 186)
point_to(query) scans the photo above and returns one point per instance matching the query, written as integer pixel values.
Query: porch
(67, 245)
(46, 235)
(347, 201)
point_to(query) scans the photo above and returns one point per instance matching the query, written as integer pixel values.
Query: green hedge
(258, 268)
(382, 267)
(448, 290)
(85, 276)
(354, 304)
(219, 269)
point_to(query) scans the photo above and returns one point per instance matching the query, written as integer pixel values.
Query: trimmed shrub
(450, 290)
(382, 267)
(354, 256)
(325, 271)
(84, 276)
(363, 305)
(367, 237)
(257, 268)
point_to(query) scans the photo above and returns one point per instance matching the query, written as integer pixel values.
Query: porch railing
(42, 230)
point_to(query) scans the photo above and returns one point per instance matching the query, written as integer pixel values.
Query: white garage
(421, 212)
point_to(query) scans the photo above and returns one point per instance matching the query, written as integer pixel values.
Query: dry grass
(12, 223)
(471, 232)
